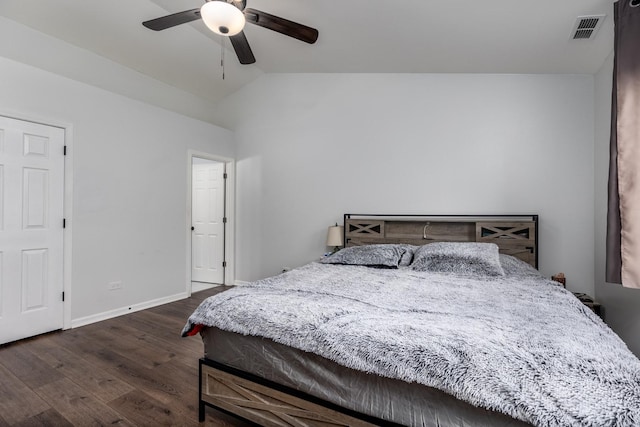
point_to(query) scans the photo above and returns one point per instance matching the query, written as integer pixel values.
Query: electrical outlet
(112, 286)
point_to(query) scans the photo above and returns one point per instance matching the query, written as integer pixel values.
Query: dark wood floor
(133, 370)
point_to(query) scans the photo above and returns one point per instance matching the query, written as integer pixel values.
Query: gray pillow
(383, 255)
(513, 266)
(469, 258)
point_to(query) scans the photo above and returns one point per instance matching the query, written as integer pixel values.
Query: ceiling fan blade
(242, 48)
(172, 20)
(281, 25)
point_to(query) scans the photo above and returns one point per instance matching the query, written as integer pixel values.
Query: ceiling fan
(227, 18)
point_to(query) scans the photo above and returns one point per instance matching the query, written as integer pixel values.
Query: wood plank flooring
(134, 370)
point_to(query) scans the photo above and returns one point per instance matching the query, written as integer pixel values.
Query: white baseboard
(241, 282)
(82, 321)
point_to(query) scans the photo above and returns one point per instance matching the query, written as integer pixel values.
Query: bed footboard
(268, 404)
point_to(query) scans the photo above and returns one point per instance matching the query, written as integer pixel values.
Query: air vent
(586, 27)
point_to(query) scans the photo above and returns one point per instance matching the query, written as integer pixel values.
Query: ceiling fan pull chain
(222, 56)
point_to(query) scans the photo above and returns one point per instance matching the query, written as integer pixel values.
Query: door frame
(67, 203)
(229, 231)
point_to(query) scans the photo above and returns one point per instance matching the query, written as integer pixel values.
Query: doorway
(208, 222)
(32, 188)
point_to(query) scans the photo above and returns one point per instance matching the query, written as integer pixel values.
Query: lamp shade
(222, 18)
(334, 235)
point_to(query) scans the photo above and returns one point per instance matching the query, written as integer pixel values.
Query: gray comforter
(518, 344)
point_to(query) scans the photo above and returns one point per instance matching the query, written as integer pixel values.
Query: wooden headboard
(515, 235)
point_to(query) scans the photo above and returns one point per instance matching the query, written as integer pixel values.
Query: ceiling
(356, 36)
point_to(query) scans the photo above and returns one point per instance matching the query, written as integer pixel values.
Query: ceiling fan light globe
(222, 18)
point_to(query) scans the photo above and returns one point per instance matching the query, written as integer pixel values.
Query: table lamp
(334, 237)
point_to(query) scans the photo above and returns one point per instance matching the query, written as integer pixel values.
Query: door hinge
(64, 222)
(224, 175)
(224, 220)
(64, 151)
(63, 296)
(224, 263)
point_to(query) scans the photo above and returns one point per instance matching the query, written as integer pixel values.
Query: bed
(464, 332)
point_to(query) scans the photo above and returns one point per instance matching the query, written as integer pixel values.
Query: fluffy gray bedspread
(518, 344)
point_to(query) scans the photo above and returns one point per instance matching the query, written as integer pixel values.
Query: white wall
(130, 182)
(620, 304)
(27, 46)
(312, 147)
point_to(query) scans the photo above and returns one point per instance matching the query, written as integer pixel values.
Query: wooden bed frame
(269, 404)
(515, 235)
(266, 403)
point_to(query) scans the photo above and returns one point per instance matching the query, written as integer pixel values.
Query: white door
(207, 240)
(31, 236)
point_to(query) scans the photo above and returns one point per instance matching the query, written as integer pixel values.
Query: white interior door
(207, 241)
(31, 235)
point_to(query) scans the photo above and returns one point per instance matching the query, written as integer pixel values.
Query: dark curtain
(623, 217)
(614, 261)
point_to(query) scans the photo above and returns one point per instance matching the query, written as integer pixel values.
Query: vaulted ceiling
(356, 36)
